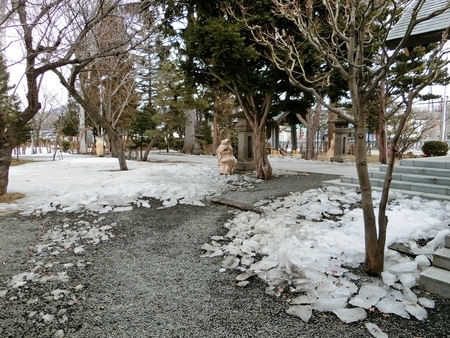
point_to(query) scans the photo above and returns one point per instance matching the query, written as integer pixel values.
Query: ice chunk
(47, 318)
(246, 249)
(352, 276)
(351, 315)
(409, 295)
(247, 260)
(20, 279)
(329, 304)
(208, 247)
(304, 312)
(57, 294)
(408, 280)
(244, 276)
(230, 262)
(416, 310)
(303, 300)
(375, 331)
(369, 290)
(315, 275)
(78, 249)
(167, 203)
(388, 278)
(388, 306)
(264, 264)
(198, 203)
(422, 260)
(400, 268)
(231, 233)
(59, 334)
(364, 302)
(217, 238)
(216, 253)
(425, 302)
(243, 283)
(62, 277)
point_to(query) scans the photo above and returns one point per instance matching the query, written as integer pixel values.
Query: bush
(65, 146)
(179, 143)
(435, 148)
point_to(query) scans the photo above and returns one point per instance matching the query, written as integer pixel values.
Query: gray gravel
(150, 281)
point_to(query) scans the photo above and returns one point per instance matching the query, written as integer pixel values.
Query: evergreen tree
(220, 51)
(10, 104)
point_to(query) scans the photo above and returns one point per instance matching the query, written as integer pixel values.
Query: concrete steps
(427, 178)
(436, 279)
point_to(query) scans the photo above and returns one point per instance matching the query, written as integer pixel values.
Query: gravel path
(148, 280)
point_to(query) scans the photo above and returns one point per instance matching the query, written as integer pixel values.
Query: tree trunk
(310, 153)
(118, 147)
(5, 163)
(150, 146)
(262, 164)
(382, 140)
(36, 140)
(189, 138)
(374, 249)
(382, 137)
(311, 122)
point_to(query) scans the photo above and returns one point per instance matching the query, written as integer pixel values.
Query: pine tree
(9, 104)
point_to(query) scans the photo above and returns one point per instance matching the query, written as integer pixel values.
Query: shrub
(435, 148)
(65, 146)
(179, 143)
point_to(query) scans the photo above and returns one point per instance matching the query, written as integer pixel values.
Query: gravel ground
(148, 280)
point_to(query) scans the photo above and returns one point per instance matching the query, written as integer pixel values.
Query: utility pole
(444, 116)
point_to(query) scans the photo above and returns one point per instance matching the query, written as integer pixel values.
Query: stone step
(424, 171)
(404, 177)
(441, 258)
(403, 185)
(439, 162)
(355, 187)
(436, 280)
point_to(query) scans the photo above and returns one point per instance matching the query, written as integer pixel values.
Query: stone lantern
(245, 160)
(197, 144)
(341, 132)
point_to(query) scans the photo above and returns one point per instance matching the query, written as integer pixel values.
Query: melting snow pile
(310, 241)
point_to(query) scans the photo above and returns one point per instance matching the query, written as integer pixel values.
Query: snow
(309, 242)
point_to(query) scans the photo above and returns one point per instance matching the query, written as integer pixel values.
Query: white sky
(301, 241)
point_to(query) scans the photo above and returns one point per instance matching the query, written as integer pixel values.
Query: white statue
(225, 157)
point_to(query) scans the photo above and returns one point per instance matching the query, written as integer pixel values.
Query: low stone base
(244, 166)
(339, 159)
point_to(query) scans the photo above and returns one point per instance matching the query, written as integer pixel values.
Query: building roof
(424, 33)
(284, 117)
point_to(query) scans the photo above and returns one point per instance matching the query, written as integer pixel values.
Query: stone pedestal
(245, 160)
(341, 132)
(197, 146)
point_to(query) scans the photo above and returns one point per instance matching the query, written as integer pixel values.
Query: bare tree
(106, 85)
(341, 33)
(51, 34)
(421, 125)
(110, 86)
(311, 122)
